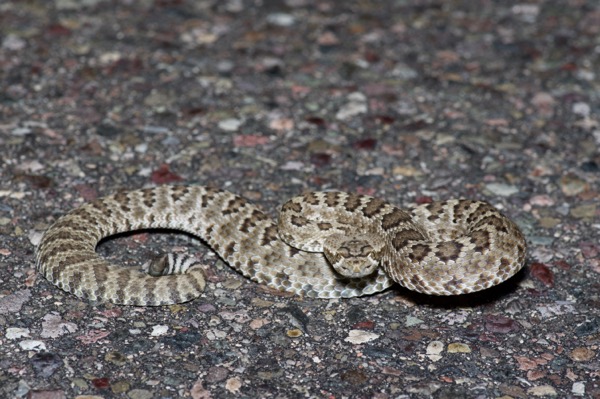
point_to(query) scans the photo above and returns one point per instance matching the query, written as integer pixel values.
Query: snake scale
(325, 245)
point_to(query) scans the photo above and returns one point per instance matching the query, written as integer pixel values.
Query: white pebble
(215, 334)
(503, 190)
(281, 19)
(13, 42)
(357, 105)
(21, 131)
(527, 12)
(32, 345)
(233, 385)
(16, 332)
(293, 165)
(541, 200)
(141, 148)
(230, 125)
(435, 348)
(582, 109)
(360, 337)
(578, 388)
(159, 330)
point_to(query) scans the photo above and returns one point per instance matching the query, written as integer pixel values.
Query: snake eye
(366, 250)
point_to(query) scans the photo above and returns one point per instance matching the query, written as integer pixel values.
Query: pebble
(230, 125)
(544, 102)
(258, 323)
(294, 333)
(233, 385)
(585, 211)
(45, 363)
(572, 185)
(21, 131)
(116, 358)
(282, 124)
(207, 307)
(249, 140)
(13, 42)
(582, 354)
(354, 377)
(198, 391)
(435, 348)
(12, 303)
(237, 316)
(293, 165)
(159, 101)
(406, 171)
(16, 333)
(140, 394)
(53, 326)
(216, 374)
(452, 318)
(46, 394)
(281, 19)
(542, 390)
(32, 166)
(542, 273)
(360, 336)
(214, 334)
(328, 39)
(232, 284)
(555, 309)
(119, 387)
(262, 303)
(357, 104)
(501, 189)
(32, 345)
(500, 324)
(541, 200)
(270, 375)
(582, 109)
(225, 66)
(412, 321)
(578, 388)
(83, 385)
(22, 390)
(159, 330)
(457, 347)
(584, 74)
(71, 5)
(541, 241)
(549, 222)
(404, 72)
(527, 11)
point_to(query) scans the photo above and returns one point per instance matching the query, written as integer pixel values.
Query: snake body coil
(442, 248)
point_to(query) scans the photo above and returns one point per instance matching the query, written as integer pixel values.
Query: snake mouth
(356, 267)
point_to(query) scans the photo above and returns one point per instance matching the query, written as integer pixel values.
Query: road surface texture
(407, 100)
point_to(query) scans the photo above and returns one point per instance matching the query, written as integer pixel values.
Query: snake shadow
(474, 299)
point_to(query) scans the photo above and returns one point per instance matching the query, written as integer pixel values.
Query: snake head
(352, 256)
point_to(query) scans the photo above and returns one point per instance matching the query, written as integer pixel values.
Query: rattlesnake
(440, 248)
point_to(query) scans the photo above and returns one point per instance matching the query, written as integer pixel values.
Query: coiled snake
(326, 245)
